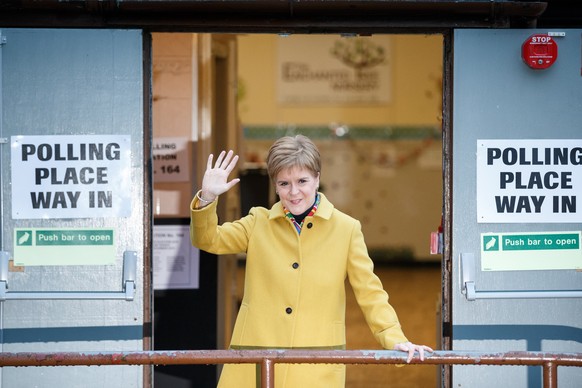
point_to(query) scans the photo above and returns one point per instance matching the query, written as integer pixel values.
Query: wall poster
(331, 69)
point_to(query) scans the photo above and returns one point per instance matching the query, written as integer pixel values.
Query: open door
(517, 209)
(195, 100)
(74, 202)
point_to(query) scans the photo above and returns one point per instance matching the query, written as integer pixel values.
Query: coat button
(288, 310)
(309, 225)
(295, 265)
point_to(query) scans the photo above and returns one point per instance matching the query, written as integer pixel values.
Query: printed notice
(534, 181)
(531, 251)
(80, 176)
(170, 156)
(55, 246)
(176, 261)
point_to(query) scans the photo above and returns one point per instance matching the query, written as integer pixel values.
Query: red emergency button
(539, 51)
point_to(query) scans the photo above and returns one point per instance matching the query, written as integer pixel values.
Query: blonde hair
(293, 151)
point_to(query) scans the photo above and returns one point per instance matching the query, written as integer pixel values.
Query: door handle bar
(127, 293)
(468, 287)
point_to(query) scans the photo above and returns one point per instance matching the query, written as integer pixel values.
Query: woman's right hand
(215, 181)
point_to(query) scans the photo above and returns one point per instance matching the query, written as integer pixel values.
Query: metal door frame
(290, 17)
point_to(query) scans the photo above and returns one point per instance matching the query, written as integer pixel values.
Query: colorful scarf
(297, 225)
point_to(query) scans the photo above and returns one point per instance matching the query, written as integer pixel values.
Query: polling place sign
(529, 181)
(71, 176)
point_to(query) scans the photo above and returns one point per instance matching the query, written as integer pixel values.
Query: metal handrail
(267, 359)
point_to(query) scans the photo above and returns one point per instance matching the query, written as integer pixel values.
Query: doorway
(382, 161)
(379, 132)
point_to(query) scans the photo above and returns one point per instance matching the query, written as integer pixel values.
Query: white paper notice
(529, 181)
(170, 156)
(176, 261)
(76, 176)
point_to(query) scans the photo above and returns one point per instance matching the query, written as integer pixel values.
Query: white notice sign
(176, 261)
(76, 176)
(535, 181)
(170, 156)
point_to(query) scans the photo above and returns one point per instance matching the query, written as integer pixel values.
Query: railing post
(550, 375)
(267, 373)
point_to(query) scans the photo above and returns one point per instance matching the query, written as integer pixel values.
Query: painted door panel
(67, 84)
(496, 96)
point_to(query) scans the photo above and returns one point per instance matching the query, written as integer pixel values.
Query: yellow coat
(294, 294)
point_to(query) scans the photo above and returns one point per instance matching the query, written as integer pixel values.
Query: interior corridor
(414, 292)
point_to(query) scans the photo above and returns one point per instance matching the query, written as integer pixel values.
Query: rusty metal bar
(191, 357)
(550, 375)
(268, 358)
(268, 373)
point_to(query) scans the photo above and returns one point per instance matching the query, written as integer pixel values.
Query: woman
(298, 254)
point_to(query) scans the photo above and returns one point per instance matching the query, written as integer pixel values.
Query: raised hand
(215, 181)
